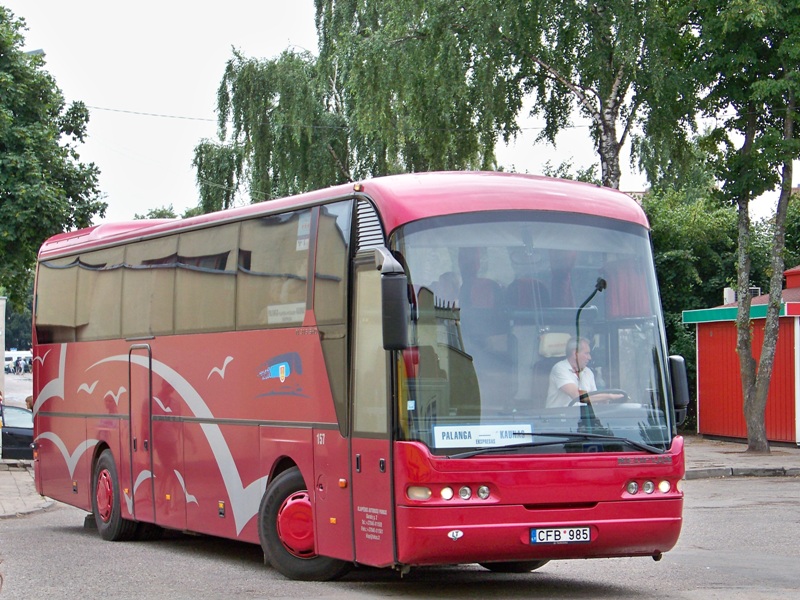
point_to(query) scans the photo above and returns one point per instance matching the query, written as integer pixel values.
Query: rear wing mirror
(395, 308)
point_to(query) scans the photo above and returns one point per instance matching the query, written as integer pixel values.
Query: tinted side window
(272, 269)
(205, 280)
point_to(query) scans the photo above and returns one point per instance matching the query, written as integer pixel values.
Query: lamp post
(3, 344)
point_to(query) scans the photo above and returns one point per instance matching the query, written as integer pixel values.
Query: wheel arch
(281, 464)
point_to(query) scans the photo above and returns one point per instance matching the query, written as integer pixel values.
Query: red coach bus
(361, 376)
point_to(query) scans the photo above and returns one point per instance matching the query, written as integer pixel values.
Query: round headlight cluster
(465, 492)
(648, 487)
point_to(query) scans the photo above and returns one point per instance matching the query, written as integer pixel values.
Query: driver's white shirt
(561, 374)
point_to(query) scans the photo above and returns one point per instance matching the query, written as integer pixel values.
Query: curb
(722, 472)
(24, 513)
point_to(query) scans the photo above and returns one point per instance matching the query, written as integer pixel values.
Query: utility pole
(3, 344)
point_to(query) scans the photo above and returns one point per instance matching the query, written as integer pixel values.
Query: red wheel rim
(296, 525)
(105, 495)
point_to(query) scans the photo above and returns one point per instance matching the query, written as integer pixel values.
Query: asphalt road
(741, 539)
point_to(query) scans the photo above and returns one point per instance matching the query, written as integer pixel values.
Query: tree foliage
(439, 81)
(18, 321)
(747, 60)
(410, 86)
(44, 188)
(280, 132)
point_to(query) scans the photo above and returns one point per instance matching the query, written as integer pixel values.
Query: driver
(571, 377)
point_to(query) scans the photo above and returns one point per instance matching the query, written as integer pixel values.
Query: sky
(149, 73)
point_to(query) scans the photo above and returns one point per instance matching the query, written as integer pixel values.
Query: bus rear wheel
(286, 531)
(106, 501)
(522, 566)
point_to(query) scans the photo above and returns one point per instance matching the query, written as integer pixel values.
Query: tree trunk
(755, 385)
(608, 147)
(754, 404)
(756, 431)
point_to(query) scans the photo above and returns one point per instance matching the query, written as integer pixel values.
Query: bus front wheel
(106, 501)
(286, 531)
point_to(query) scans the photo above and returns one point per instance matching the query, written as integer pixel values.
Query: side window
(330, 297)
(370, 411)
(148, 287)
(272, 270)
(205, 281)
(97, 308)
(330, 271)
(78, 297)
(56, 286)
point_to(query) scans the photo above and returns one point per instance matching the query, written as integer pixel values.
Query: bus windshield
(531, 332)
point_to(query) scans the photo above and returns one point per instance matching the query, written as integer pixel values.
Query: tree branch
(578, 92)
(339, 164)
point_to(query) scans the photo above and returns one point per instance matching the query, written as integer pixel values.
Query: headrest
(553, 344)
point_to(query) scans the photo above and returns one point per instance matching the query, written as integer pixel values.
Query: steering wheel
(623, 393)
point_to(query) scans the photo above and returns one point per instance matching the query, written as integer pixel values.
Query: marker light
(447, 493)
(465, 493)
(483, 492)
(649, 487)
(418, 492)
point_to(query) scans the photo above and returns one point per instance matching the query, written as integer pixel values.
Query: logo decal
(283, 368)
(455, 535)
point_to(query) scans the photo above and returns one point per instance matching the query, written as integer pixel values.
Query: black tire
(522, 566)
(106, 501)
(286, 532)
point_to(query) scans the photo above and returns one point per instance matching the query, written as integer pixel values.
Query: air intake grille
(370, 232)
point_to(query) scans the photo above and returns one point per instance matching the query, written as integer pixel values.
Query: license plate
(561, 535)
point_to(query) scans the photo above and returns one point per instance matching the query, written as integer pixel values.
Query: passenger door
(140, 386)
(371, 447)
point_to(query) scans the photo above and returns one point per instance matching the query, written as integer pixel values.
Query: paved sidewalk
(18, 495)
(705, 458)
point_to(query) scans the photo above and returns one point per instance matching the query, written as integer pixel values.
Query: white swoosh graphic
(70, 459)
(166, 409)
(218, 371)
(41, 359)
(89, 389)
(114, 397)
(143, 476)
(189, 497)
(54, 387)
(244, 500)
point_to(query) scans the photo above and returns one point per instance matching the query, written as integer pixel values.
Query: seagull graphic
(70, 459)
(166, 409)
(41, 359)
(189, 497)
(117, 396)
(221, 371)
(89, 389)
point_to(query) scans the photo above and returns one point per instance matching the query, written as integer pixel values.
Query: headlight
(418, 492)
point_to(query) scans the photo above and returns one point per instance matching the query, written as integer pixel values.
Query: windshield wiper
(564, 438)
(496, 449)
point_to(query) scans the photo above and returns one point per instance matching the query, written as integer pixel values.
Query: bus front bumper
(458, 535)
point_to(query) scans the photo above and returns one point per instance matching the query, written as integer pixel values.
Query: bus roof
(400, 199)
